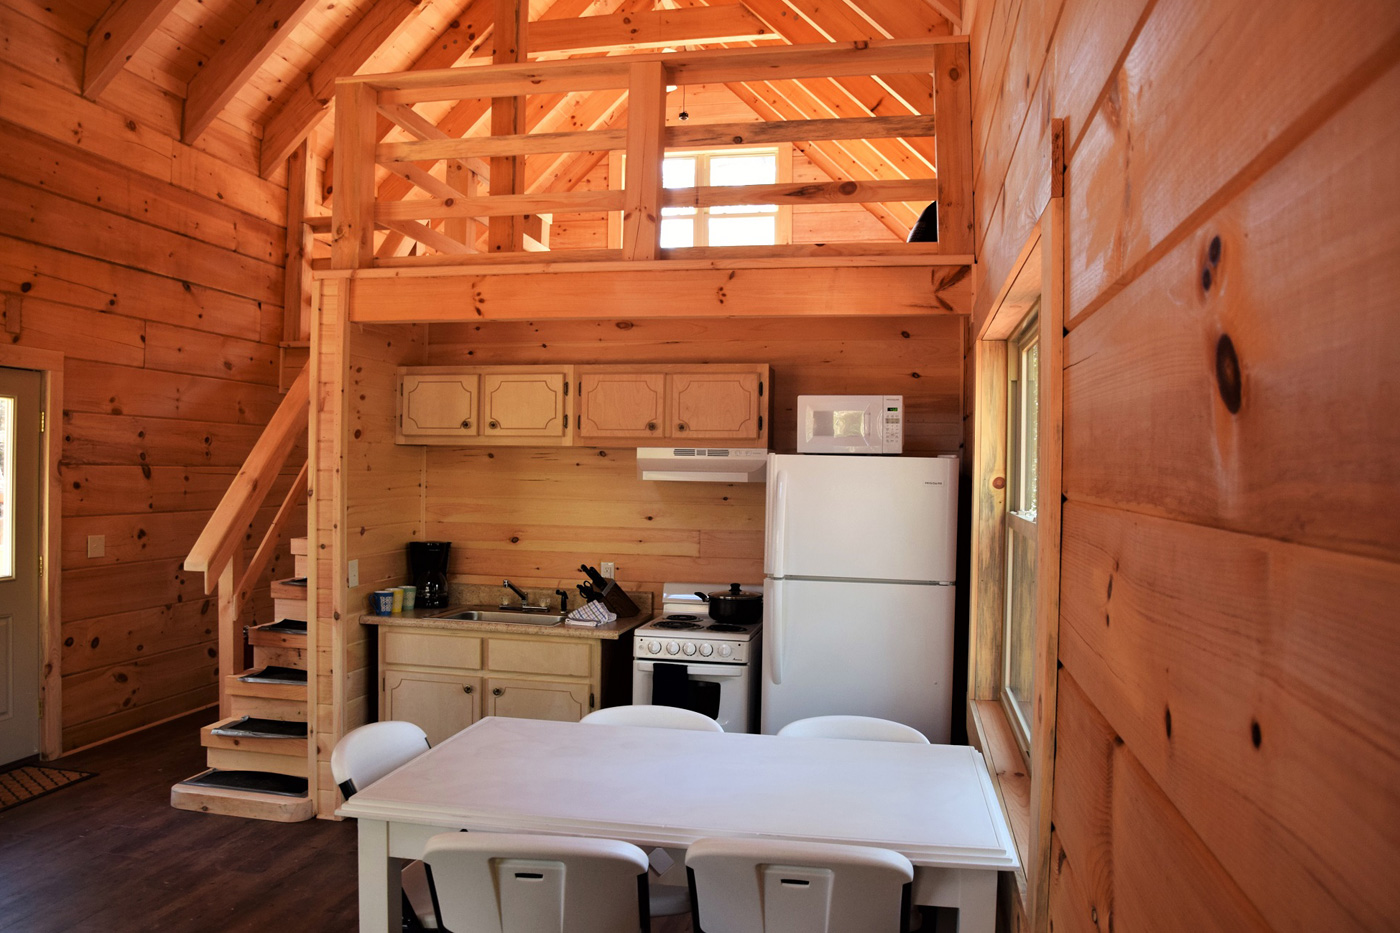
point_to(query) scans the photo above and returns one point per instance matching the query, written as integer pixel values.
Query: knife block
(618, 601)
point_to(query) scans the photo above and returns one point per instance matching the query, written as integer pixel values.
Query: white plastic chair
(519, 883)
(363, 756)
(667, 900)
(853, 727)
(778, 886)
(662, 717)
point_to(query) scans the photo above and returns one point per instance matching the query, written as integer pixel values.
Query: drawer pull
(466, 688)
(466, 423)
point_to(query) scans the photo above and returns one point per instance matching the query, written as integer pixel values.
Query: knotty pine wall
(156, 269)
(1227, 745)
(534, 514)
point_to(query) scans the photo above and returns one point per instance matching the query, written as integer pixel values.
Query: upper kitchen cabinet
(673, 403)
(502, 405)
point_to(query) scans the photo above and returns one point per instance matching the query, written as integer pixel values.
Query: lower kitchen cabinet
(444, 680)
(440, 704)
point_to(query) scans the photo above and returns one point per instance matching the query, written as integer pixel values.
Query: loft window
(733, 225)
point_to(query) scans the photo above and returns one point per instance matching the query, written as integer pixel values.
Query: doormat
(31, 781)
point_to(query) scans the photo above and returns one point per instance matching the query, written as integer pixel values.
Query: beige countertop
(416, 618)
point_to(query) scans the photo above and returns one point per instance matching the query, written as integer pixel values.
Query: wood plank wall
(155, 268)
(535, 514)
(1228, 754)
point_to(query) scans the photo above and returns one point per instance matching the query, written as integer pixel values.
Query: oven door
(720, 691)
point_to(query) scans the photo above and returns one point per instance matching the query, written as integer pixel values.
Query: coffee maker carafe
(427, 561)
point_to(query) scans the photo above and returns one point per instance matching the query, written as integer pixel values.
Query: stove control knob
(672, 648)
(706, 650)
(725, 651)
(688, 648)
(654, 647)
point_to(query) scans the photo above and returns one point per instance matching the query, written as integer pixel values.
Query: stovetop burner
(725, 627)
(681, 617)
(677, 623)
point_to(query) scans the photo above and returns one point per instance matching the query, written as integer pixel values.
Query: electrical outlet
(354, 573)
(608, 569)
(97, 545)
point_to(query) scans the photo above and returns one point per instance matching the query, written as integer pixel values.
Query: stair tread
(261, 782)
(273, 674)
(259, 728)
(284, 627)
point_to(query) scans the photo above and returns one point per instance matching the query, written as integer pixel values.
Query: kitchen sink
(512, 616)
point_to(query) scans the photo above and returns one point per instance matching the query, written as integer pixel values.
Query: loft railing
(218, 551)
(454, 222)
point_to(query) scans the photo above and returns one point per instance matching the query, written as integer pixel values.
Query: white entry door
(20, 392)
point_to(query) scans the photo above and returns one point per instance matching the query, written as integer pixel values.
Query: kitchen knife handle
(779, 541)
(773, 628)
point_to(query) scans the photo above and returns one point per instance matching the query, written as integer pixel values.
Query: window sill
(991, 734)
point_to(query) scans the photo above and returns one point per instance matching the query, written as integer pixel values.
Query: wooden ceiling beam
(243, 54)
(309, 99)
(120, 32)
(652, 29)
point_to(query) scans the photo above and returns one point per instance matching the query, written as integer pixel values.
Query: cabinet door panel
(622, 405)
(537, 699)
(714, 405)
(439, 405)
(440, 704)
(523, 404)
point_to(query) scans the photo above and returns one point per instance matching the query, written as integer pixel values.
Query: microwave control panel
(894, 424)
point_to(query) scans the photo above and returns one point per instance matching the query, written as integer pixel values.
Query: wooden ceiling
(267, 68)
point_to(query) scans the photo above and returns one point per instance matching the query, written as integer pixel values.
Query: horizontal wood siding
(155, 268)
(534, 515)
(1226, 757)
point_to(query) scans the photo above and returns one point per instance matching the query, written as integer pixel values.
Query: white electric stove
(684, 658)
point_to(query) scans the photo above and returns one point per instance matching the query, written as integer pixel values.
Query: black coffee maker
(427, 561)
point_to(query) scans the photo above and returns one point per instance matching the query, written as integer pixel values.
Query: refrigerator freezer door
(861, 518)
(862, 649)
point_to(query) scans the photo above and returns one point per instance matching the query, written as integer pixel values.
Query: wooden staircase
(258, 750)
(258, 753)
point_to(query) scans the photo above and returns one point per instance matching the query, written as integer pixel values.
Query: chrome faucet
(524, 599)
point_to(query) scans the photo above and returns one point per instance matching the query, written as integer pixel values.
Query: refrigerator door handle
(773, 631)
(779, 541)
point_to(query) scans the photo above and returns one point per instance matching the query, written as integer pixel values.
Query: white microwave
(850, 424)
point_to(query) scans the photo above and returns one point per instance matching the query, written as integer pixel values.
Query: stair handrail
(223, 533)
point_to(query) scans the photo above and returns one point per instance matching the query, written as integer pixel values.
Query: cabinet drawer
(431, 649)
(554, 656)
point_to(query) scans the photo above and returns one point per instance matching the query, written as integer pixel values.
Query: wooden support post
(952, 108)
(508, 119)
(230, 635)
(646, 147)
(352, 212)
(296, 294)
(462, 179)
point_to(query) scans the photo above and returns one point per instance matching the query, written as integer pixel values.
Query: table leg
(977, 901)
(381, 897)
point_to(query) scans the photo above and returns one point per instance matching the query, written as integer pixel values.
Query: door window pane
(7, 487)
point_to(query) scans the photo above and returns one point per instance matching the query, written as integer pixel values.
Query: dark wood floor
(110, 855)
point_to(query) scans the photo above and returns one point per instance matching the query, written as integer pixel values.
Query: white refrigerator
(858, 589)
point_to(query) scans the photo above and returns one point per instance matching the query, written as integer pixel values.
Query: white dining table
(669, 787)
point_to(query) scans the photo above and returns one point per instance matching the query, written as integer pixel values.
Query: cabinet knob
(494, 425)
(680, 425)
(496, 691)
(466, 688)
(466, 422)
(651, 425)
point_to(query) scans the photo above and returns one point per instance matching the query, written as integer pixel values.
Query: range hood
(703, 464)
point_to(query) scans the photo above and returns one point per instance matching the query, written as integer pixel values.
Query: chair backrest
(364, 755)
(519, 883)
(662, 717)
(777, 886)
(853, 727)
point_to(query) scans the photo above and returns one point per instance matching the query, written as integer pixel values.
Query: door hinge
(591, 704)
(566, 388)
(41, 565)
(43, 421)
(566, 422)
(760, 388)
(760, 422)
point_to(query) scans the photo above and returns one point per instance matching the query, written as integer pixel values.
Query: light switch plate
(97, 545)
(608, 569)
(354, 573)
